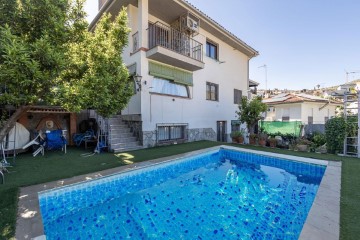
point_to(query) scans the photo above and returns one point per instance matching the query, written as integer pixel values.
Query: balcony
(170, 46)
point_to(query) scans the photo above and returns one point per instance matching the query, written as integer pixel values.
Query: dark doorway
(221, 131)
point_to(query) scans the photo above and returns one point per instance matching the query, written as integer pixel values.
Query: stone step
(122, 140)
(127, 149)
(115, 121)
(118, 126)
(118, 134)
(125, 145)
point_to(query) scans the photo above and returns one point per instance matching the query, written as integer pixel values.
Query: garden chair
(50, 140)
(38, 140)
(55, 140)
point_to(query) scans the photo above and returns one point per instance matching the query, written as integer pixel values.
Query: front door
(221, 131)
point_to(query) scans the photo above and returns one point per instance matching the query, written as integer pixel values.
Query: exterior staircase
(121, 138)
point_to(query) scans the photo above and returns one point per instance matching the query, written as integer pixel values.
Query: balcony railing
(172, 39)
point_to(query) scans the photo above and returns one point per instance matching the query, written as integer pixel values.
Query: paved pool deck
(323, 221)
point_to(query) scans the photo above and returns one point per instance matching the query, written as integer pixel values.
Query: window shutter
(237, 96)
(310, 120)
(171, 73)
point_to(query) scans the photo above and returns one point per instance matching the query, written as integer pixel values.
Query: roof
(285, 98)
(253, 83)
(183, 5)
(47, 109)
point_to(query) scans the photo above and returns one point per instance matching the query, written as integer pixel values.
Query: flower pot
(240, 140)
(302, 148)
(272, 142)
(262, 142)
(252, 141)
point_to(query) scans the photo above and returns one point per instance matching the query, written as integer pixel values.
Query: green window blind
(171, 73)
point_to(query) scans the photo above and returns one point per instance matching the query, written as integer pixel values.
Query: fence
(273, 127)
(312, 128)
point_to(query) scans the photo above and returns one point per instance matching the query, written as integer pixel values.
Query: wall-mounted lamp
(137, 79)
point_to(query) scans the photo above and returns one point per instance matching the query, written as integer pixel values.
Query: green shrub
(319, 139)
(335, 131)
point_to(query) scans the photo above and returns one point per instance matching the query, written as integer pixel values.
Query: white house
(300, 107)
(193, 71)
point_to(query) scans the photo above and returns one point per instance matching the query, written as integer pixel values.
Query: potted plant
(262, 139)
(238, 136)
(241, 136)
(234, 136)
(321, 149)
(272, 142)
(303, 145)
(253, 138)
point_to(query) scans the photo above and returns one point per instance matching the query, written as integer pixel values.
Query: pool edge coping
(29, 223)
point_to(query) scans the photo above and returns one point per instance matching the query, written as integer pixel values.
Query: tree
(48, 56)
(250, 112)
(96, 76)
(32, 35)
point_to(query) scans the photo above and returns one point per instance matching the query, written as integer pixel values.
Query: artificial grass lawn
(55, 165)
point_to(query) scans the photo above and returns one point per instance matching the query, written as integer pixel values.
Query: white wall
(134, 106)
(287, 110)
(197, 111)
(301, 112)
(313, 109)
(230, 73)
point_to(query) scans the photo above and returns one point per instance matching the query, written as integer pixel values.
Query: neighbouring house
(311, 111)
(190, 73)
(253, 85)
(348, 93)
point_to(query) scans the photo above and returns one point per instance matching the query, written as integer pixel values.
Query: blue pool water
(222, 194)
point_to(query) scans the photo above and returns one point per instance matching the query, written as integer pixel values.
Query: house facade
(190, 71)
(308, 109)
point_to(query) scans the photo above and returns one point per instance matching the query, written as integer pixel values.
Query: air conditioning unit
(192, 24)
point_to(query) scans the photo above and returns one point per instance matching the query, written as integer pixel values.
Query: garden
(53, 166)
(331, 141)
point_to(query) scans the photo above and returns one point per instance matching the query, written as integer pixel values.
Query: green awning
(171, 73)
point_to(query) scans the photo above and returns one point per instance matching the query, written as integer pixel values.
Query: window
(271, 109)
(212, 91)
(286, 114)
(310, 120)
(237, 96)
(235, 125)
(168, 87)
(285, 119)
(171, 132)
(211, 50)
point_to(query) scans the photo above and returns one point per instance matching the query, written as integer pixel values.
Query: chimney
(101, 3)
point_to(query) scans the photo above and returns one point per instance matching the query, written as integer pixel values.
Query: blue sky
(303, 42)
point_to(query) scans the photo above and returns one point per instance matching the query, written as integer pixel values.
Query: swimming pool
(221, 194)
